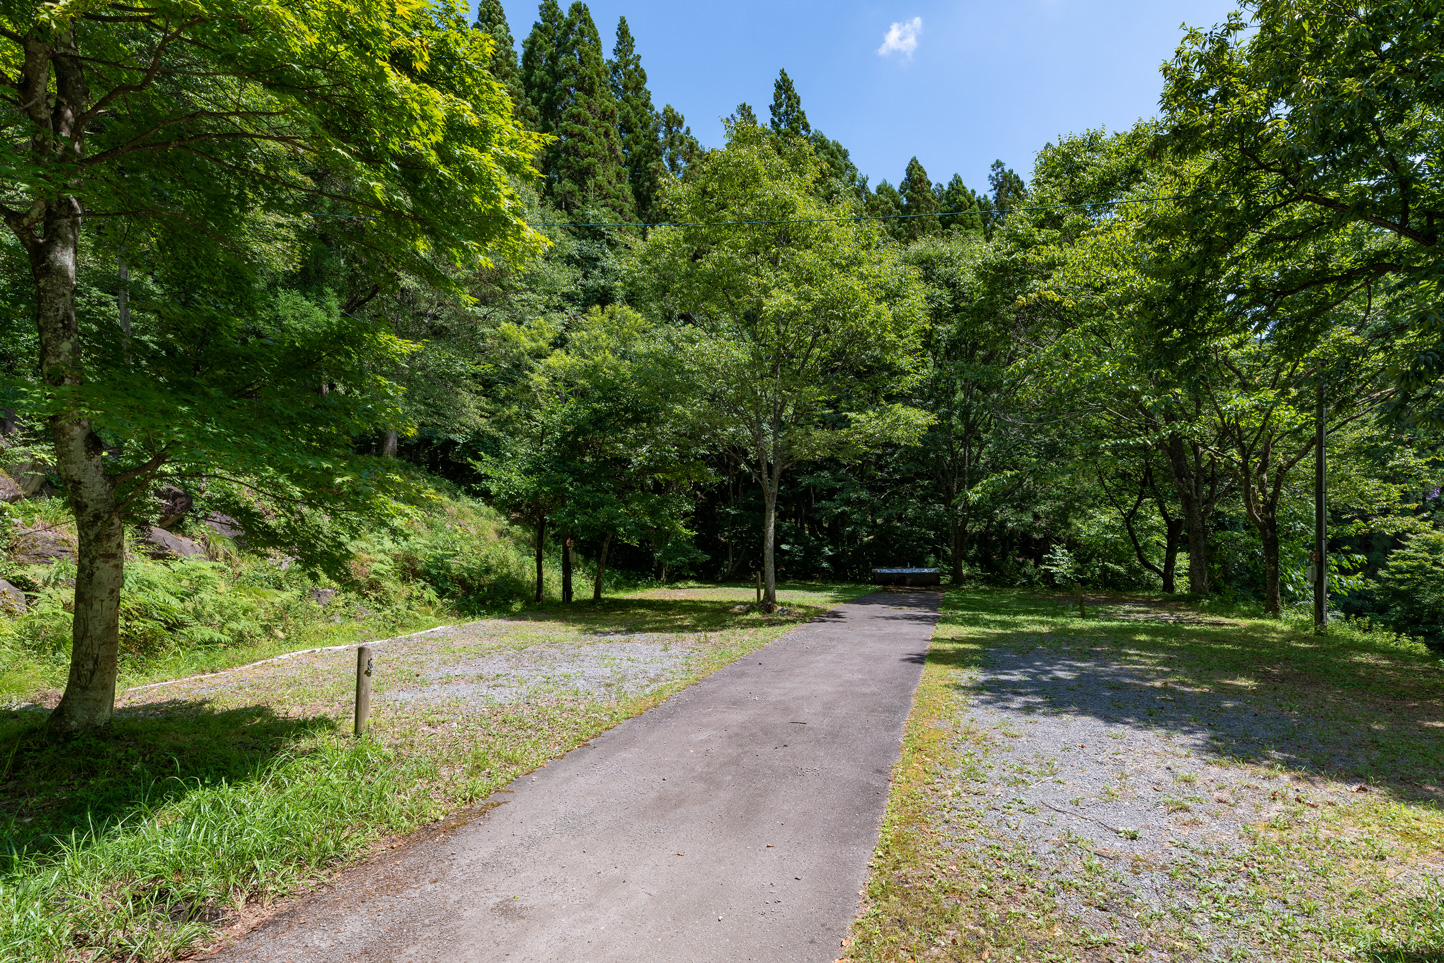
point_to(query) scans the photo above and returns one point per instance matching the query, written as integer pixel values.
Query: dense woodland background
(656, 351)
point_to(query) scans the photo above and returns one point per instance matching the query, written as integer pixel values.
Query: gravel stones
(615, 669)
(1083, 763)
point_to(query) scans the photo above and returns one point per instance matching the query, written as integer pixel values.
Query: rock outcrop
(12, 600)
(163, 544)
(43, 545)
(227, 527)
(31, 477)
(174, 504)
(10, 490)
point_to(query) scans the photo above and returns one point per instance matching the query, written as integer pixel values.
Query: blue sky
(986, 79)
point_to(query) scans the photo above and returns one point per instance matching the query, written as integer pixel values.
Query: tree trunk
(567, 569)
(122, 296)
(601, 568)
(957, 545)
(1128, 517)
(1268, 530)
(541, 535)
(769, 543)
(1170, 555)
(1187, 481)
(89, 697)
(53, 94)
(389, 443)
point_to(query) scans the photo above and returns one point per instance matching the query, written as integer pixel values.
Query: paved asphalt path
(734, 822)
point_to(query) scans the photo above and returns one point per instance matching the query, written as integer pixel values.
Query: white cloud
(902, 38)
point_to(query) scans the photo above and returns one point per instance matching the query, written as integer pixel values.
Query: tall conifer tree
(638, 121)
(1007, 186)
(541, 77)
(919, 203)
(840, 178)
(885, 203)
(491, 20)
(788, 117)
(962, 206)
(744, 116)
(679, 147)
(591, 170)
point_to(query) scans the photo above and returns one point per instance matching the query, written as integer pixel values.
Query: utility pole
(1321, 535)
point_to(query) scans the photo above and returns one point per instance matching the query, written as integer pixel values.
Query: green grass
(209, 795)
(1322, 874)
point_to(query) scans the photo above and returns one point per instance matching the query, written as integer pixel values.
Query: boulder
(163, 544)
(174, 505)
(31, 477)
(10, 490)
(226, 526)
(42, 545)
(322, 596)
(12, 600)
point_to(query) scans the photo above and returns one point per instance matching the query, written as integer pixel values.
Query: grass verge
(209, 795)
(1301, 820)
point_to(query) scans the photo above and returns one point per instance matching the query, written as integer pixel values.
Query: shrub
(1411, 587)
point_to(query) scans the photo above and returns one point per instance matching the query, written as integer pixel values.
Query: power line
(902, 217)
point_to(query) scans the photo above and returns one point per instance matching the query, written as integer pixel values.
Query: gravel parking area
(1120, 783)
(1150, 784)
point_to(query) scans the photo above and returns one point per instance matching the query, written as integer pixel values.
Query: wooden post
(363, 688)
(1078, 590)
(759, 588)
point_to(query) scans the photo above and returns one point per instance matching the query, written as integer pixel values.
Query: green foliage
(503, 63)
(840, 179)
(743, 116)
(787, 115)
(1317, 128)
(919, 203)
(963, 208)
(590, 170)
(542, 73)
(1008, 189)
(679, 147)
(885, 203)
(802, 329)
(638, 122)
(446, 556)
(422, 163)
(831, 319)
(1412, 588)
(1061, 566)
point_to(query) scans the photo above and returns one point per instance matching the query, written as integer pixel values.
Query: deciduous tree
(229, 131)
(803, 327)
